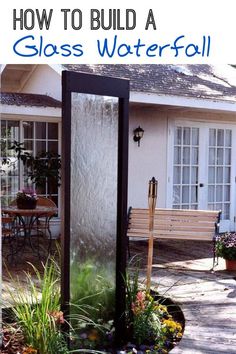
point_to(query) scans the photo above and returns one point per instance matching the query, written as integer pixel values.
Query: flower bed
(158, 324)
(154, 324)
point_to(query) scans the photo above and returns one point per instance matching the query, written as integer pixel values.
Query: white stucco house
(187, 112)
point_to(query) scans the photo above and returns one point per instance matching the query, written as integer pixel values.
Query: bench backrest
(174, 223)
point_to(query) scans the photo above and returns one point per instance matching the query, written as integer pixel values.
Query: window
(41, 137)
(10, 174)
(37, 137)
(185, 168)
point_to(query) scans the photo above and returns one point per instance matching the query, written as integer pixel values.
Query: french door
(202, 171)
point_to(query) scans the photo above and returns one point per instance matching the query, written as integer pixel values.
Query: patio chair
(8, 234)
(19, 229)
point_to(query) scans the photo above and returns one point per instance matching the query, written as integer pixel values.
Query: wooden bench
(177, 224)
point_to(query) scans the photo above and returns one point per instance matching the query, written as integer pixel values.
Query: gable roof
(202, 81)
(28, 99)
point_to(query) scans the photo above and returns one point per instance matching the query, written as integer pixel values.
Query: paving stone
(207, 299)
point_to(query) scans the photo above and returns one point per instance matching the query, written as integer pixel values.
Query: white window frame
(31, 118)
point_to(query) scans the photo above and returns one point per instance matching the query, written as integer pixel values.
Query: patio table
(28, 222)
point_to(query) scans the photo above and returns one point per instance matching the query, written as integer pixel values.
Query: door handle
(201, 184)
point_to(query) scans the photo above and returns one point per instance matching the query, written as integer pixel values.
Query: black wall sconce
(138, 134)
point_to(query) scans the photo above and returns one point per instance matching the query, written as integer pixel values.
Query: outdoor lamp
(138, 134)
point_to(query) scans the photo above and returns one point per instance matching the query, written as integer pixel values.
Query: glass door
(219, 173)
(203, 174)
(186, 168)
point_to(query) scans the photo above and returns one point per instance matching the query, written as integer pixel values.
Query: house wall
(148, 160)
(44, 80)
(151, 158)
(203, 116)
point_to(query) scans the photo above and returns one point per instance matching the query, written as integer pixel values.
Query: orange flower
(58, 316)
(93, 335)
(29, 350)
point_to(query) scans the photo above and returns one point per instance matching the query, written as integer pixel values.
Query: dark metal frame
(103, 86)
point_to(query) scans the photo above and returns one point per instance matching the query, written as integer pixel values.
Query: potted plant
(226, 248)
(26, 199)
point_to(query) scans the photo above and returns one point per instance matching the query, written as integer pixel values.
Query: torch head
(152, 193)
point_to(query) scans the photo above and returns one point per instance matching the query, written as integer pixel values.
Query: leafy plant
(226, 246)
(93, 288)
(148, 321)
(93, 297)
(44, 167)
(132, 287)
(36, 307)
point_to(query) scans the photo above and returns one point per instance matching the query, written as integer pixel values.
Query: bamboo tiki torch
(152, 198)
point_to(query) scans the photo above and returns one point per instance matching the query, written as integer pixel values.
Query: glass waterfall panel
(94, 152)
(219, 170)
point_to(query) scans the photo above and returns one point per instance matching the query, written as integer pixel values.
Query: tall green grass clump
(92, 297)
(36, 307)
(93, 289)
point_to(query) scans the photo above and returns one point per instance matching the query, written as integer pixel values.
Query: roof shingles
(198, 81)
(29, 100)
